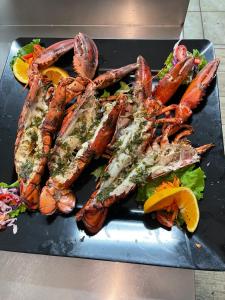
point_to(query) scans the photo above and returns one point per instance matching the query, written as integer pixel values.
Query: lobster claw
(51, 54)
(85, 60)
(197, 88)
(171, 81)
(194, 93)
(143, 79)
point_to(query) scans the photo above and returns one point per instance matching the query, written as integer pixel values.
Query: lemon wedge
(20, 70)
(184, 199)
(55, 74)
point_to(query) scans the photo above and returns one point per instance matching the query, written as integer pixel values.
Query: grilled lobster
(85, 133)
(43, 111)
(135, 160)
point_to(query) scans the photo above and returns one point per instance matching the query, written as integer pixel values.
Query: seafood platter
(113, 150)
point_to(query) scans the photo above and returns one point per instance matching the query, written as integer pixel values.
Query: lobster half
(85, 133)
(43, 111)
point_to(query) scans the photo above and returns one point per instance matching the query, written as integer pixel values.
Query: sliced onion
(9, 201)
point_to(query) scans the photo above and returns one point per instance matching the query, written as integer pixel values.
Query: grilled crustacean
(85, 62)
(43, 111)
(85, 133)
(134, 163)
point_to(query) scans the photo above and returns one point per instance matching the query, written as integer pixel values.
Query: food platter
(129, 235)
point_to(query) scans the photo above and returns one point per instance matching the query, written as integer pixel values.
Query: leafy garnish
(105, 94)
(12, 185)
(20, 209)
(28, 48)
(195, 180)
(189, 177)
(124, 88)
(168, 64)
(98, 172)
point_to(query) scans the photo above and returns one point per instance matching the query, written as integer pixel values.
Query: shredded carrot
(30, 60)
(168, 184)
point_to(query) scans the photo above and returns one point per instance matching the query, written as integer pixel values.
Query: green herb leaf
(168, 64)
(28, 48)
(20, 209)
(105, 94)
(98, 172)
(195, 180)
(124, 88)
(12, 185)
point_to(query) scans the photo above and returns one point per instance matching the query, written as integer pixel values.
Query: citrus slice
(184, 199)
(55, 74)
(20, 70)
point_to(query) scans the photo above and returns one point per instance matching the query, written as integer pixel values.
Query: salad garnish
(26, 52)
(190, 178)
(180, 52)
(11, 205)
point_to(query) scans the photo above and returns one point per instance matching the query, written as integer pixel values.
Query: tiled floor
(206, 19)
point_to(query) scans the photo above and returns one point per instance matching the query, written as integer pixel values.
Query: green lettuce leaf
(189, 177)
(105, 94)
(28, 48)
(168, 64)
(20, 209)
(12, 185)
(124, 88)
(97, 173)
(195, 180)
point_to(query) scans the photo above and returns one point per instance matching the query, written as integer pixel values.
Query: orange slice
(184, 199)
(20, 70)
(55, 74)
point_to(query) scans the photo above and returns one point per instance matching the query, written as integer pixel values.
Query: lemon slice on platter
(55, 74)
(20, 70)
(184, 199)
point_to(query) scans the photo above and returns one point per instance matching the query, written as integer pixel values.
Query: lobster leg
(110, 77)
